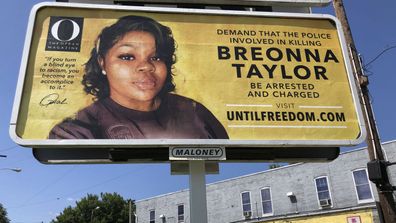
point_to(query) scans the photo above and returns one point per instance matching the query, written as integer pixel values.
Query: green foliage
(108, 208)
(274, 166)
(3, 215)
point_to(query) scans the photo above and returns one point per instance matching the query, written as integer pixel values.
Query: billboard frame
(143, 143)
(247, 3)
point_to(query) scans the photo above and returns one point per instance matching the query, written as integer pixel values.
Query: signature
(52, 99)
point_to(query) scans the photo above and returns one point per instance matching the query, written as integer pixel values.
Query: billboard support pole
(386, 199)
(198, 207)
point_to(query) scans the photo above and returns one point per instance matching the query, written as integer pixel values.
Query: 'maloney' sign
(197, 153)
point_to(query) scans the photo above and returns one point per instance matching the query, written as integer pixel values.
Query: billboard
(117, 76)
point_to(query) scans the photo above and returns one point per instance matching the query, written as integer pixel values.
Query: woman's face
(134, 71)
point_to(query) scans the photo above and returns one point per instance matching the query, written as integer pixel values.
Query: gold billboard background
(201, 74)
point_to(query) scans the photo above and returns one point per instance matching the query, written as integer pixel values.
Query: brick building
(337, 191)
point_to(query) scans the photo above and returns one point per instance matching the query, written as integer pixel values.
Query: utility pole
(386, 200)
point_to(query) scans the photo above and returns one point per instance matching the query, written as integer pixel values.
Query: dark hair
(96, 83)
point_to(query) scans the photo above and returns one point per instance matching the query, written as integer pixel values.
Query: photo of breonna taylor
(129, 73)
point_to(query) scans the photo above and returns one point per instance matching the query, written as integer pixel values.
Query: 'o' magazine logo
(64, 34)
(198, 153)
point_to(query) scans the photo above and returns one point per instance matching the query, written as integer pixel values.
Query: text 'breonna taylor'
(272, 70)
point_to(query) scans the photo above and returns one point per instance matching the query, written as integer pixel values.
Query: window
(322, 188)
(152, 216)
(246, 205)
(362, 185)
(266, 201)
(180, 213)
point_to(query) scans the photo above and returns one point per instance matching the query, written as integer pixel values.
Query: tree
(3, 215)
(108, 208)
(274, 166)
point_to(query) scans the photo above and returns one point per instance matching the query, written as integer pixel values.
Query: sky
(40, 192)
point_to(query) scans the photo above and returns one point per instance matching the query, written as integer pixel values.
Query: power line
(101, 183)
(378, 56)
(9, 148)
(71, 193)
(50, 184)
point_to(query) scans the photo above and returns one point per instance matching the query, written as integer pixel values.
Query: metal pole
(374, 148)
(198, 208)
(130, 211)
(92, 215)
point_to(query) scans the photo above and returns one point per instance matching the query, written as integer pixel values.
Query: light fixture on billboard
(12, 169)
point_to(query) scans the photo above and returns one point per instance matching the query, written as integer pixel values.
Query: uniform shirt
(176, 118)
